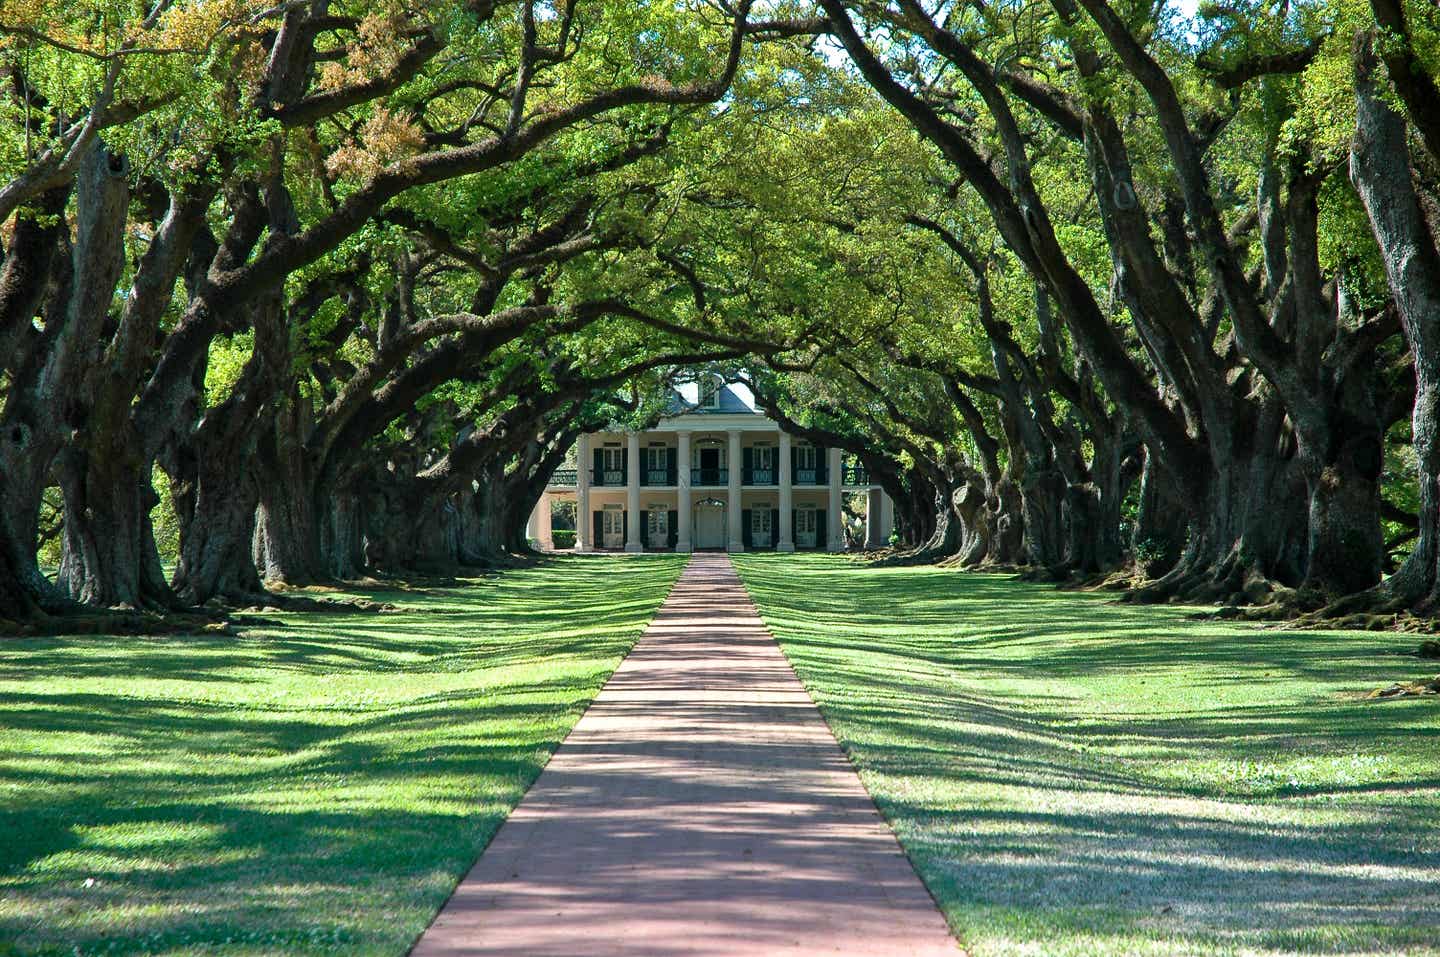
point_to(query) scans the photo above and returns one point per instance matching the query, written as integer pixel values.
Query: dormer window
(710, 392)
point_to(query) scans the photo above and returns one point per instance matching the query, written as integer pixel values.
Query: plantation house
(714, 474)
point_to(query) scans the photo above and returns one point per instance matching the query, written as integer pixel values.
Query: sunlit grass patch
(317, 786)
(1075, 777)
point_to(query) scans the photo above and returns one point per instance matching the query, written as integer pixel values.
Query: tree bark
(1380, 170)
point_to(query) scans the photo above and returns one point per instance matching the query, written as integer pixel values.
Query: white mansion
(714, 474)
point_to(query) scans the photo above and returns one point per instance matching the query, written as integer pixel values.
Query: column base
(735, 548)
(633, 547)
(785, 547)
(683, 548)
(835, 548)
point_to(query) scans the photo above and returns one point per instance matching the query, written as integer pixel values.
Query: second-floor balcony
(856, 475)
(707, 477)
(816, 476)
(657, 477)
(564, 478)
(608, 478)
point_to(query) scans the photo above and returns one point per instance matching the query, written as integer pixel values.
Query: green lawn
(1075, 777)
(315, 787)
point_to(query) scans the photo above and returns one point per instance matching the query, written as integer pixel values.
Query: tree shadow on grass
(316, 788)
(1073, 776)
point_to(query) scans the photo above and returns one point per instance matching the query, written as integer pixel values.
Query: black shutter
(671, 457)
(598, 476)
(747, 456)
(598, 539)
(775, 528)
(794, 462)
(625, 526)
(644, 528)
(820, 529)
(745, 537)
(674, 525)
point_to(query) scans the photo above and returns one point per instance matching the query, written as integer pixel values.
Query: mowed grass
(316, 787)
(1076, 777)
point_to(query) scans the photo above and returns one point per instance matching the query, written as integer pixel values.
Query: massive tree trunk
(1161, 525)
(288, 534)
(1346, 545)
(220, 491)
(1251, 533)
(29, 437)
(215, 496)
(1042, 494)
(1380, 169)
(109, 556)
(109, 546)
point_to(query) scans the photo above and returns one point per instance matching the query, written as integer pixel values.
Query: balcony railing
(665, 476)
(856, 475)
(818, 476)
(609, 478)
(759, 476)
(709, 476)
(564, 477)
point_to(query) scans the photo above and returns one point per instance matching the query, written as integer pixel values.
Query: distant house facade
(717, 474)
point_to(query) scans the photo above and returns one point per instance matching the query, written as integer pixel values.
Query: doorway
(805, 528)
(760, 530)
(710, 464)
(657, 535)
(612, 529)
(709, 523)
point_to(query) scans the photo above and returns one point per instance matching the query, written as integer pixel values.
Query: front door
(612, 528)
(760, 530)
(805, 528)
(709, 526)
(657, 534)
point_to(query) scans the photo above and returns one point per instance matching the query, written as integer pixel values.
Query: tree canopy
(1092, 288)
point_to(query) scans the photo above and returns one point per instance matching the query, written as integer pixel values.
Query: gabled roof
(735, 399)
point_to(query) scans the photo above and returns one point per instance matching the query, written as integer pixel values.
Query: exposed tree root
(121, 621)
(1408, 689)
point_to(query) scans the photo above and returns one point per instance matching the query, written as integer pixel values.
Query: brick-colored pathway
(700, 807)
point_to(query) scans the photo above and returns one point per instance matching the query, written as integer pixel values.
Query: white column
(834, 536)
(583, 521)
(874, 513)
(544, 539)
(682, 493)
(786, 542)
(887, 517)
(632, 493)
(732, 507)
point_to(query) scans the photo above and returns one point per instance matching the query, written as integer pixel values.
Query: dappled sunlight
(1072, 776)
(315, 786)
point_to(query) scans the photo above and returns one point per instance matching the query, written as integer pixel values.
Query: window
(762, 467)
(710, 392)
(657, 465)
(612, 465)
(805, 464)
